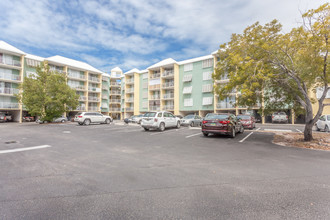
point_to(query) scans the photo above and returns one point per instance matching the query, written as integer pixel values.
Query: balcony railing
(154, 87)
(168, 96)
(82, 98)
(114, 100)
(129, 109)
(8, 105)
(168, 107)
(93, 108)
(9, 91)
(130, 81)
(224, 105)
(11, 63)
(104, 78)
(81, 108)
(94, 89)
(154, 97)
(130, 90)
(154, 108)
(105, 97)
(77, 87)
(114, 92)
(168, 73)
(76, 76)
(93, 79)
(93, 98)
(168, 85)
(130, 100)
(10, 77)
(105, 87)
(115, 84)
(155, 76)
(114, 109)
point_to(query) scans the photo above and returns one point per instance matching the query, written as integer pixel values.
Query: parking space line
(164, 132)
(299, 130)
(193, 135)
(246, 137)
(258, 129)
(277, 130)
(24, 149)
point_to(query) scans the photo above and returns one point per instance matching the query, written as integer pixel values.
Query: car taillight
(4, 118)
(204, 122)
(156, 120)
(79, 116)
(224, 122)
(273, 116)
(286, 117)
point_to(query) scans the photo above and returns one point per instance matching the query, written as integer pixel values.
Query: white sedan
(323, 123)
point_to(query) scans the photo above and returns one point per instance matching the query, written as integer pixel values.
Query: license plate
(213, 124)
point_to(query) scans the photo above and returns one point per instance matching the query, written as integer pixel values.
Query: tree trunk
(308, 132)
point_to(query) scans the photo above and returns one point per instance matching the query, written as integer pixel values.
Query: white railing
(168, 107)
(10, 91)
(77, 87)
(129, 81)
(114, 109)
(81, 108)
(168, 96)
(154, 87)
(168, 73)
(10, 76)
(154, 108)
(130, 100)
(104, 78)
(94, 89)
(129, 109)
(92, 98)
(93, 79)
(11, 63)
(82, 98)
(155, 76)
(224, 105)
(115, 100)
(113, 92)
(9, 105)
(93, 108)
(130, 90)
(168, 85)
(115, 84)
(76, 76)
(154, 97)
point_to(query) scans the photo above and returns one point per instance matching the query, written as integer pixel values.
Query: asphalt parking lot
(120, 171)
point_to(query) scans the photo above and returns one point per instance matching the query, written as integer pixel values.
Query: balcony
(154, 87)
(11, 62)
(82, 98)
(155, 76)
(114, 109)
(77, 87)
(114, 100)
(224, 105)
(168, 85)
(222, 81)
(154, 108)
(94, 79)
(93, 99)
(129, 81)
(105, 97)
(76, 76)
(130, 100)
(94, 89)
(81, 108)
(115, 84)
(168, 96)
(114, 92)
(12, 77)
(168, 74)
(129, 109)
(8, 105)
(104, 78)
(9, 91)
(168, 107)
(105, 87)
(154, 97)
(130, 90)
(93, 108)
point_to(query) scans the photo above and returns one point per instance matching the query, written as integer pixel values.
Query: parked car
(159, 120)
(130, 119)
(2, 117)
(221, 123)
(27, 118)
(280, 117)
(87, 118)
(137, 119)
(248, 121)
(191, 120)
(323, 123)
(60, 119)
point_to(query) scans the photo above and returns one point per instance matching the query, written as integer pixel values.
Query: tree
(46, 94)
(277, 69)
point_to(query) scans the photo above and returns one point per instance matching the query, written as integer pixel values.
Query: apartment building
(115, 93)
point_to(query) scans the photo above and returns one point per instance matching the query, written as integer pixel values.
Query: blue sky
(136, 33)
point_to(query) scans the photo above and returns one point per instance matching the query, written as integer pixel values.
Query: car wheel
(241, 130)
(326, 129)
(107, 121)
(192, 124)
(205, 134)
(162, 126)
(178, 125)
(87, 122)
(233, 132)
(146, 129)
(63, 121)
(317, 128)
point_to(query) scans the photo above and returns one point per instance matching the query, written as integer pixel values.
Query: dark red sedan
(221, 123)
(248, 121)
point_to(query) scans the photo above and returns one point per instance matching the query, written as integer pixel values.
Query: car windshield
(279, 113)
(150, 114)
(213, 116)
(243, 117)
(189, 116)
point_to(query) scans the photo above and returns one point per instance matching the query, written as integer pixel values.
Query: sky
(136, 33)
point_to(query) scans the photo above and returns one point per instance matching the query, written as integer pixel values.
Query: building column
(292, 116)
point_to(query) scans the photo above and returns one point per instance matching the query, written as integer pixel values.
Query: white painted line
(66, 132)
(193, 135)
(23, 149)
(277, 130)
(258, 129)
(299, 130)
(164, 132)
(246, 137)
(195, 128)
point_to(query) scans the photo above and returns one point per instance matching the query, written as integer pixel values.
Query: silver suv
(159, 120)
(86, 118)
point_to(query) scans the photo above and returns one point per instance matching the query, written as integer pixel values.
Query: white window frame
(207, 88)
(145, 76)
(207, 63)
(188, 67)
(207, 75)
(187, 78)
(207, 100)
(188, 102)
(187, 90)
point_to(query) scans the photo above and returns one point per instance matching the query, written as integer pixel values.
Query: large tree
(279, 70)
(47, 94)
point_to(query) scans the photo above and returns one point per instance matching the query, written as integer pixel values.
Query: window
(187, 90)
(159, 115)
(207, 88)
(188, 102)
(145, 95)
(319, 92)
(187, 78)
(207, 100)
(145, 76)
(207, 75)
(188, 67)
(32, 63)
(145, 85)
(207, 63)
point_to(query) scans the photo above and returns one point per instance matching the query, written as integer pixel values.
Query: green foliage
(46, 94)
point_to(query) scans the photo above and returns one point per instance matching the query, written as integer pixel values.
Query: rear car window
(243, 116)
(150, 114)
(189, 116)
(328, 118)
(213, 116)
